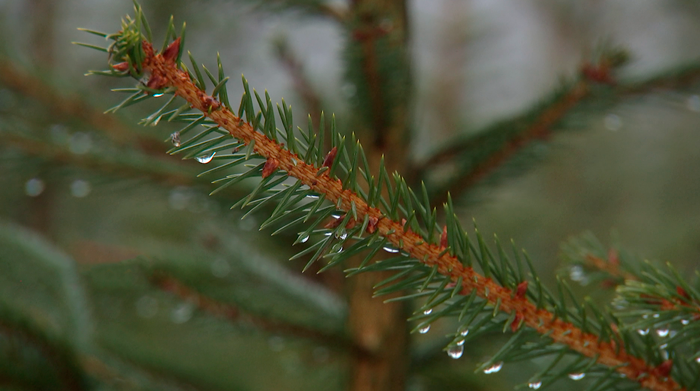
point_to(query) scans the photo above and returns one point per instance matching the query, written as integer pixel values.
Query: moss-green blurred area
(91, 217)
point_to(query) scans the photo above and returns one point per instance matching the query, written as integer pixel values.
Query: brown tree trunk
(379, 28)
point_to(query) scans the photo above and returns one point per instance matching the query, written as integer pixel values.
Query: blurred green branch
(477, 157)
(21, 332)
(234, 314)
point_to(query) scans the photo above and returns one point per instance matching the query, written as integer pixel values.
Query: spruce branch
(65, 106)
(63, 359)
(168, 174)
(436, 262)
(481, 155)
(237, 315)
(588, 261)
(489, 161)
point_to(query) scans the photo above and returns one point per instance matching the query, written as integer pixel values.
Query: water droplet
(612, 122)
(576, 273)
(205, 158)
(693, 103)
(428, 311)
(460, 343)
(80, 188)
(685, 322)
(175, 139)
(276, 343)
(348, 89)
(464, 332)
(455, 351)
(643, 332)
(178, 198)
(391, 249)
(304, 239)
(158, 95)
(493, 368)
(664, 346)
(424, 330)
(182, 313)
(656, 316)
(34, 187)
(147, 306)
(535, 385)
(80, 143)
(662, 333)
(645, 316)
(697, 360)
(312, 196)
(577, 376)
(220, 268)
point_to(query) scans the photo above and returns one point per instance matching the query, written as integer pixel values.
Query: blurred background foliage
(114, 248)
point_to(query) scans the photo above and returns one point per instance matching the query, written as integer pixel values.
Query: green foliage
(348, 235)
(44, 284)
(653, 301)
(209, 302)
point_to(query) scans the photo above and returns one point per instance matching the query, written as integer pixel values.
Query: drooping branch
(593, 80)
(301, 83)
(236, 315)
(166, 175)
(539, 129)
(165, 73)
(65, 106)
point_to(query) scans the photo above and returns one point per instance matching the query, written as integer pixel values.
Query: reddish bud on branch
(330, 157)
(270, 166)
(517, 322)
(121, 67)
(372, 225)
(443, 238)
(171, 52)
(664, 369)
(521, 290)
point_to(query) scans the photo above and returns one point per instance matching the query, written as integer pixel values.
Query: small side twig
(303, 87)
(610, 266)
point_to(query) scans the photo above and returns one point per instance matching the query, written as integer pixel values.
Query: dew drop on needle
(455, 351)
(205, 158)
(576, 376)
(493, 368)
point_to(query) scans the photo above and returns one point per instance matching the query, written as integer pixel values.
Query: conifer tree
(346, 199)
